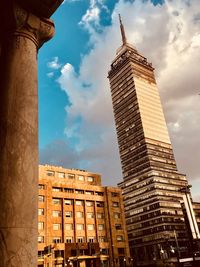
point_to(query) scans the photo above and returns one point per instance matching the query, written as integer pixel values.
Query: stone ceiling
(41, 8)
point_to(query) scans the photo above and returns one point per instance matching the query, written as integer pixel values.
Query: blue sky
(76, 126)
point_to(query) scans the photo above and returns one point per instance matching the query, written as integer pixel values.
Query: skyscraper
(151, 182)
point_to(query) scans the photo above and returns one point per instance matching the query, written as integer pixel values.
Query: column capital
(39, 30)
(20, 22)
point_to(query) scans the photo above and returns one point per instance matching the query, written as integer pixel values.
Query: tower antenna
(122, 31)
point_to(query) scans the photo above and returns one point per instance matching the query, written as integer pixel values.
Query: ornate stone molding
(26, 24)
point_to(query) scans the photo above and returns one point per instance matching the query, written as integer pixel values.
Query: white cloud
(169, 36)
(91, 19)
(54, 64)
(92, 15)
(50, 74)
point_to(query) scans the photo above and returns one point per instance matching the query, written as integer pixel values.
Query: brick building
(80, 222)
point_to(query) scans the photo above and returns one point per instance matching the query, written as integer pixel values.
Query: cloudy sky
(76, 125)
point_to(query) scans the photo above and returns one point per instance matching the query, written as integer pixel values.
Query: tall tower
(151, 183)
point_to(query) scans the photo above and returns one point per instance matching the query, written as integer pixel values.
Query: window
(56, 213)
(118, 226)
(105, 251)
(69, 239)
(69, 190)
(101, 227)
(50, 173)
(80, 226)
(89, 203)
(77, 191)
(115, 204)
(90, 179)
(68, 201)
(90, 226)
(121, 251)
(40, 225)
(116, 215)
(57, 254)
(120, 238)
(41, 198)
(40, 254)
(40, 186)
(40, 211)
(74, 252)
(56, 226)
(40, 239)
(56, 239)
(57, 189)
(79, 214)
(79, 202)
(56, 201)
(90, 215)
(69, 226)
(114, 194)
(80, 239)
(68, 214)
(100, 204)
(89, 192)
(80, 178)
(99, 193)
(102, 239)
(61, 174)
(100, 215)
(91, 239)
(71, 176)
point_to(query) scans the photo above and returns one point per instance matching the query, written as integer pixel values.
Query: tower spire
(122, 31)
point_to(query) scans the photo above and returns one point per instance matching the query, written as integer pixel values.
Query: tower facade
(151, 182)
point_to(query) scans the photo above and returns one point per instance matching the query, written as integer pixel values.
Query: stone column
(19, 137)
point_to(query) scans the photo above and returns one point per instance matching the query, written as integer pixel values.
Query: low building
(80, 222)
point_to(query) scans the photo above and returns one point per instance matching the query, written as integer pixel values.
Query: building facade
(196, 208)
(151, 182)
(80, 222)
(191, 212)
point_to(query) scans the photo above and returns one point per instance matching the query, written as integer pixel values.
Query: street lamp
(76, 261)
(124, 262)
(68, 263)
(162, 251)
(172, 249)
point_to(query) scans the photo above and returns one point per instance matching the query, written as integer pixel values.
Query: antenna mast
(122, 31)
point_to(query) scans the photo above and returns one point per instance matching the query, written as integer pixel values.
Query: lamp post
(162, 253)
(131, 262)
(68, 263)
(77, 262)
(124, 262)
